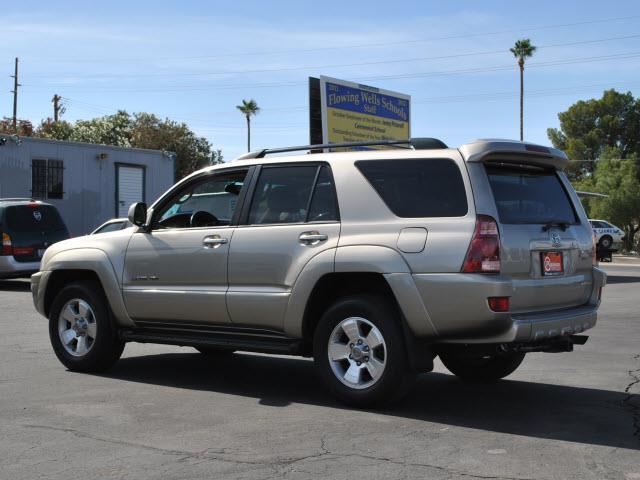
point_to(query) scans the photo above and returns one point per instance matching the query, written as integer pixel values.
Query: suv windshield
(529, 196)
(23, 218)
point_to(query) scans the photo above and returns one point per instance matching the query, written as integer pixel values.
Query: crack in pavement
(633, 407)
(287, 463)
(449, 471)
(183, 455)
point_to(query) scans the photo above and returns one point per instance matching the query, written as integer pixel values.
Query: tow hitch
(552, 345)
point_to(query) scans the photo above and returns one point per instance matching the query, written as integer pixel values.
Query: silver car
(372, 262)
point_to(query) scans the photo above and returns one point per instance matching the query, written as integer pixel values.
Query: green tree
(108, 130)
(620, 180)
(192, 152)
(591, 127)
(60, 130)
(24, 128)
(141, 130)
(248, 109)
(521, 50)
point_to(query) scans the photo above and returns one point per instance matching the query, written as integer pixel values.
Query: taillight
(594, 249)
(483, 255)
(498, 304)
(22, 251)
(6, 245)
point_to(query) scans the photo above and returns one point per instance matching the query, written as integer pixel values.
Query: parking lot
(168, 412)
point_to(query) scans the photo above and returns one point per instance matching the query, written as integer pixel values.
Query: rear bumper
(10, 268)
(539, 326)
(456, 306)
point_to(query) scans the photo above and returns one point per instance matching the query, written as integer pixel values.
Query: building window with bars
(47, 179)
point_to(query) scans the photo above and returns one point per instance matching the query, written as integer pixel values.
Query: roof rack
(18, 199)
(415, 143)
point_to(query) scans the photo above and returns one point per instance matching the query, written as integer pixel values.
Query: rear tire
(606, 242)
(81, 329)
(359, 351)
(483, 369)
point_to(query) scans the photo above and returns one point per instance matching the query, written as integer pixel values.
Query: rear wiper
(561, 225)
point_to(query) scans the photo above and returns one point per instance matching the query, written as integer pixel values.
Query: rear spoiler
(514, 152)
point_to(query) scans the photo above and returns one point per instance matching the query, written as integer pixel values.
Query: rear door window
(38, 218)
(529, 196)
(282, 195)
(415, 188)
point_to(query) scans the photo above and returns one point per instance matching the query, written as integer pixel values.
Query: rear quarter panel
(366, 219)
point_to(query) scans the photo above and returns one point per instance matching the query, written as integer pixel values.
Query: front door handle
(312, 238)
(213, 241)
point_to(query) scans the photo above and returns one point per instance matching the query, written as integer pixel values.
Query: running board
(250, 342)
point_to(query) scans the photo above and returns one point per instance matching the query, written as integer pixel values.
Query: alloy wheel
(357, 352)
(77, 327)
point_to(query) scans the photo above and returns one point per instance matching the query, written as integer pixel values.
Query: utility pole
(58, 109)
(15, 97)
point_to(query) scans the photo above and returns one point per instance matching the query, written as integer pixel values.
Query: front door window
(208, 203)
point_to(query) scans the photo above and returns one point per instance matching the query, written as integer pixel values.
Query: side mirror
(138, 213)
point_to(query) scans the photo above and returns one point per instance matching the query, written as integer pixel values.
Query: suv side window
(283, 194)
(416, 188)
(324, 205)
(204, 203)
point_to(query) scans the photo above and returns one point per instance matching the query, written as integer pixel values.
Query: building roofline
(79, 144)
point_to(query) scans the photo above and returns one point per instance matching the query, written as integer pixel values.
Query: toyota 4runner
(371, 262)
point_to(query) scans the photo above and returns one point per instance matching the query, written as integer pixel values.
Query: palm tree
(248, 108)
(521, 50)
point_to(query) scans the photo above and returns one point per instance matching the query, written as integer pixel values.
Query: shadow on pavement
(15, 285)
(540, 410)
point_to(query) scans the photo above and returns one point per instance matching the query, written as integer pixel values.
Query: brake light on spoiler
(483, 255)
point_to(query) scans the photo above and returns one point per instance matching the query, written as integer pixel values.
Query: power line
(470, 97)
(340, 47)
(321, 67)
(398, 76)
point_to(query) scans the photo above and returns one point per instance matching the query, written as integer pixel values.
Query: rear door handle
(213, 241)
(312, 238)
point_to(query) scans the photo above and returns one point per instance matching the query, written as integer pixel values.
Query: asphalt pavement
(168, 412)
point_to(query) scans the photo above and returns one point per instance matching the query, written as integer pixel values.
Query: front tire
(483, 369)
(359, 351)
(81, 329)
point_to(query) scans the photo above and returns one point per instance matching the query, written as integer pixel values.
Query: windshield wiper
(561, 225)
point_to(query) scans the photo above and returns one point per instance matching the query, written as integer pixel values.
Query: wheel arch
(91, 265)
(336, 285)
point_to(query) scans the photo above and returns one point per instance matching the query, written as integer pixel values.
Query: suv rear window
(418, 187)
(529, 196)
(21, 218)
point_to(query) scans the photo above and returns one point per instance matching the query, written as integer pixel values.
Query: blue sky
(193, 61)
